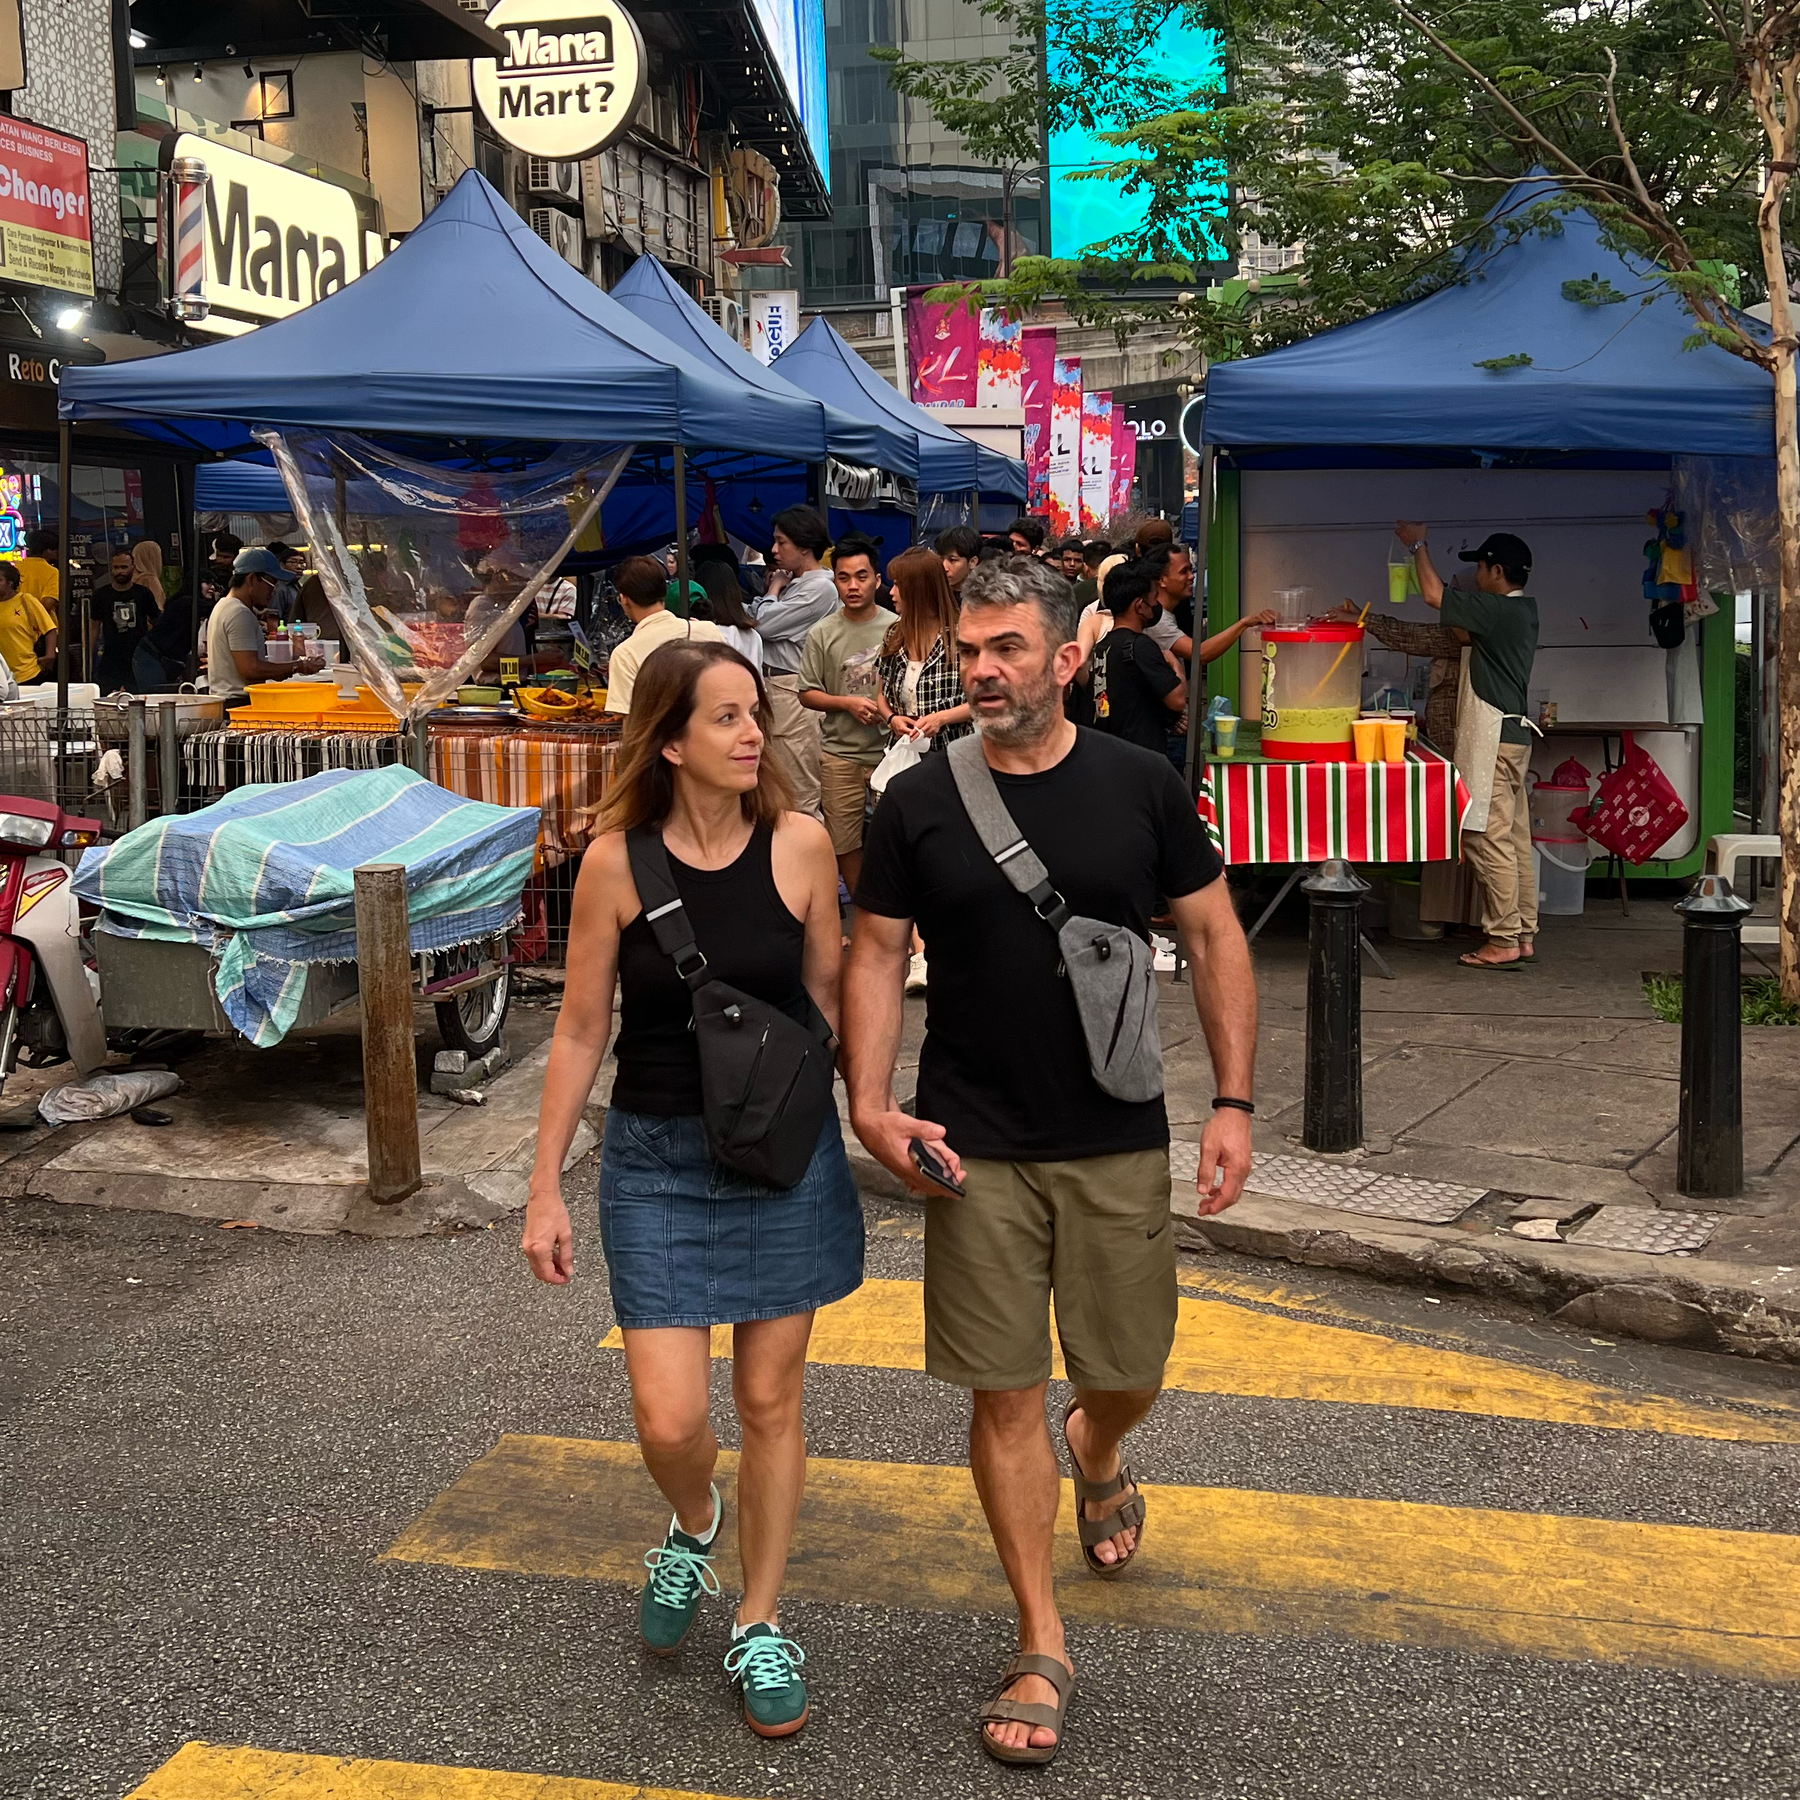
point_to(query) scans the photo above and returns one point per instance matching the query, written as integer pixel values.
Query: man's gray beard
(1033, 713)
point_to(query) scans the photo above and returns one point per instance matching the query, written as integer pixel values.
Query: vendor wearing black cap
(1493, 734)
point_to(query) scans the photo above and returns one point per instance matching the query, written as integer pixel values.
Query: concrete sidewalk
(1554, 1089)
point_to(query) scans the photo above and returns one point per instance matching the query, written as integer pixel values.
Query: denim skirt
(689, 1241)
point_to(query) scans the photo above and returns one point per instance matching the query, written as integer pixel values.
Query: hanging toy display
(1668, 576)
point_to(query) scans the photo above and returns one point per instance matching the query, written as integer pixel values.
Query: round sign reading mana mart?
(571, 79)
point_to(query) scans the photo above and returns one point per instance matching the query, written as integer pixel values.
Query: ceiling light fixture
(199, 72)
(139, 41)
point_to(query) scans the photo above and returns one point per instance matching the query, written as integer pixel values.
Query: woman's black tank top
(749, 939)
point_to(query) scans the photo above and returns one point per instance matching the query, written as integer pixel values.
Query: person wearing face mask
(960, 548)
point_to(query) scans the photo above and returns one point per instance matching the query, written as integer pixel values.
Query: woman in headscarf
(147, 568)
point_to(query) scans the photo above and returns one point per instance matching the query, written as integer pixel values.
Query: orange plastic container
(285, 705)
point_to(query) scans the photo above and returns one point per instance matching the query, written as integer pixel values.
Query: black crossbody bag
(765, 1080)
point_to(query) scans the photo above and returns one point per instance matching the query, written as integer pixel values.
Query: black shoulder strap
(663, 910)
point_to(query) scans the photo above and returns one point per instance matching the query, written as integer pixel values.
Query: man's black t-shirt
(125, 617)
(1004, 1066)
(1131, 677)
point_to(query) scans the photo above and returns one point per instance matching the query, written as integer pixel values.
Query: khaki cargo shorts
(844, 792)
(1095, 1232)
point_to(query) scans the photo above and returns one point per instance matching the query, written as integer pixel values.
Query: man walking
(1066, 1189)
(1493, 737)
(800, 594)
(838, 679)
(124, 612)
(1138, 692)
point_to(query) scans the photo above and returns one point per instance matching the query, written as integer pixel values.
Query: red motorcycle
(48, 987)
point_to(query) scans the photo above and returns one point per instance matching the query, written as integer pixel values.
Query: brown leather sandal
(1125, 1514)
(1001, 1711)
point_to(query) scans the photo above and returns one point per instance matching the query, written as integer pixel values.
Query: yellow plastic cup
(1393, 740)
(1225, 736)
(1366, 733)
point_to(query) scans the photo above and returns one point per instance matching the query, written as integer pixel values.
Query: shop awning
(472, 328)
(1613, 376)
(821, 363)
(652, 293)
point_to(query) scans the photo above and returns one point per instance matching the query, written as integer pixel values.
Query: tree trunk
(1787, 500)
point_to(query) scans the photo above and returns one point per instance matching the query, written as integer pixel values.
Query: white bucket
(1562, 885)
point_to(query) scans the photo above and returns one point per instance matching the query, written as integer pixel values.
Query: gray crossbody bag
(1111, 969)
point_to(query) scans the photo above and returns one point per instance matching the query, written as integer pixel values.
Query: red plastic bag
(1636, 809)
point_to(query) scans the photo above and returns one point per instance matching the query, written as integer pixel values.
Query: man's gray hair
(1022, 580)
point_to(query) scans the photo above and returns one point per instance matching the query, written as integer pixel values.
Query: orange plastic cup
(1366, 734)
(1393, 740)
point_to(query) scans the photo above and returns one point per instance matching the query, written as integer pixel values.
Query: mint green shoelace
(765, 1663)
(676, 1571)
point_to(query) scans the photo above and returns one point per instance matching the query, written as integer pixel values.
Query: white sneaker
(1165, 955)
(915, 973)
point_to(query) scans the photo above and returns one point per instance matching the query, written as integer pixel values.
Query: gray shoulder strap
(1000, 837)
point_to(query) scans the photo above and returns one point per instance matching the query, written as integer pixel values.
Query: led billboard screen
(1085, 213)
(796, 33)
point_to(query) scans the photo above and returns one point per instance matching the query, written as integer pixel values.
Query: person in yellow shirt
(23, 620)
(38, 573)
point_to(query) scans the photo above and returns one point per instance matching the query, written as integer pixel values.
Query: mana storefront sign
(572, 77)
(275, 240)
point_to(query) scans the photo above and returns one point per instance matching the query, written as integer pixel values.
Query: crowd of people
(1018, 841)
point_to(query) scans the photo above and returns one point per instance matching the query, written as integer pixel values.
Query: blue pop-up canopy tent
(651, 292)
(1527, 360)
(821, 363)
(1608, 377)
(472, 328)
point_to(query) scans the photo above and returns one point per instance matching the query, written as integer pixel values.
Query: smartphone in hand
(933, 1167)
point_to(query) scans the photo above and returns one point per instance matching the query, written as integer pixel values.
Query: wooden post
(390, 1073)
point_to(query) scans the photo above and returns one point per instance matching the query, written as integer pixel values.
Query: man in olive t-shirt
(1502, 622)
(837, 678)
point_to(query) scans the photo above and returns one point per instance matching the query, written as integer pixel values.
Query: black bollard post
(1334, 1110)
(1709, 1163)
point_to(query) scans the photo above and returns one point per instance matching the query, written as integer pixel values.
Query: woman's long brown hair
(929, 611)
(642, 789)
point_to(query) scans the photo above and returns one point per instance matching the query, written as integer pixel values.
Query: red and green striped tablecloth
(1281, 812)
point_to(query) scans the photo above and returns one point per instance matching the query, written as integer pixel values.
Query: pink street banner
(943, 346)
(1000, 368)
(1039, 386)
(1096, 460)
(1124, 464)
(1065, 446)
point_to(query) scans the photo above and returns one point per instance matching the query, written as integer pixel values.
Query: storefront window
(106, 513)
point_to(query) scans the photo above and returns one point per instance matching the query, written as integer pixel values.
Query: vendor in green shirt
(1493, 739)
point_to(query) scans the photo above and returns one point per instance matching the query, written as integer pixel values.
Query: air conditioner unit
(727, 314)
(561, 231)
(547, 180)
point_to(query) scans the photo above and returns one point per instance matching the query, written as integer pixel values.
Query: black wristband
(1245, 1106)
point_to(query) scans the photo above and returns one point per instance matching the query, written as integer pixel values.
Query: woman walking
(917, 670)
(690, 1243)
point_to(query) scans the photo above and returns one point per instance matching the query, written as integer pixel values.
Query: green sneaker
(680, 1571)
(766, 1667)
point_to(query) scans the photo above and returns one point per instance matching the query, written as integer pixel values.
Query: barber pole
(187, 276)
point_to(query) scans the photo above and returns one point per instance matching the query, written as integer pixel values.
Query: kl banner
(1124, 463)
(1096, 461)
(943, 345)
(1065, 446)
(1039, 388)
(1000, 368)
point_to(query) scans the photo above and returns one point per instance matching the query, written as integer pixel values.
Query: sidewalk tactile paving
(1346, 1188)
(1645, 1229)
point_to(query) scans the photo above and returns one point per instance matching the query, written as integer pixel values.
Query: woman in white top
(715, 569)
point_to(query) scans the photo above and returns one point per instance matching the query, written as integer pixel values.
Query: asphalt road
(212, 1439)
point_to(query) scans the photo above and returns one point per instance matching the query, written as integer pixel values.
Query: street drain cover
(1646, 1229)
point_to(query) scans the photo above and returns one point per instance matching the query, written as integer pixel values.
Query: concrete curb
(1745, 1308)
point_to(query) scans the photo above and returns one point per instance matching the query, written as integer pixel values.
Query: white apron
(1478, 746)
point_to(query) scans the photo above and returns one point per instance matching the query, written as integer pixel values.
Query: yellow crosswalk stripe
(1221, 1348)
(226, 1772)
(1215, 1560)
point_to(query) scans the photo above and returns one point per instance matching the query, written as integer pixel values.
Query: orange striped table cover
(562, 773)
